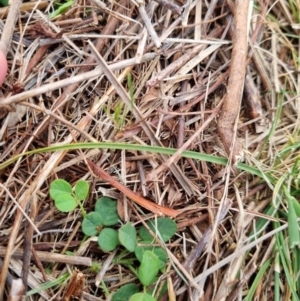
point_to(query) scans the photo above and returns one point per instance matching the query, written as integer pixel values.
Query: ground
(181, 116)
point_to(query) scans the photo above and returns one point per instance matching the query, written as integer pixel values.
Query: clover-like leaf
(149, 268)
(142, 297)
(108, 239)
(59, 186)
(91, 224)
(107, 208)
(82, 190)
(65, 202)
(164, 227)
(158, 251)
(125, 292)
(127, 237)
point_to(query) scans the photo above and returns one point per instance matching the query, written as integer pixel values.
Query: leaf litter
(68, 82)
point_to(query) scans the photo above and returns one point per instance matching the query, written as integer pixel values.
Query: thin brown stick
(232, 102)
(181, 122)
(155, 208)
(39, 264)
(211, 89)
(25, 7)
(9, 26)
(68, 82)
(142, 177)
(28, 235)
(52, 257)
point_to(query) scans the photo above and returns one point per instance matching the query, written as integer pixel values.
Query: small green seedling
(148, 260)
(61, 8)
(67, 198)
(120, 111)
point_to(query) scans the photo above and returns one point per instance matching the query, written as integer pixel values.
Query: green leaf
(164, 227)
(65, 202)
(56, 282)
(4, 2)
(91, 224)
(293, 226)
(125, 292)
(142, 297)
(82, 190)
(131, 88)
(117, 113)
(296, 206)
(107, 208)
(258, 280)
(158, 251)
(149, 268)
(61, 9)
(58, 187)
(127, 237)
(108, 239)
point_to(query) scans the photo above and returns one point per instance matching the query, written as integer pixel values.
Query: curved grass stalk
(135, 147)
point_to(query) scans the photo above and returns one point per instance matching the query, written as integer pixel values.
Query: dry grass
(97, 74)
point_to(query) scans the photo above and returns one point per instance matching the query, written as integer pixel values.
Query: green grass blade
(48, 285)
(257, 280)
(293, 227)
(135, 147)
(287, 263)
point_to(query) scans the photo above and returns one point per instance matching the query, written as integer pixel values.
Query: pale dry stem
(232, 103)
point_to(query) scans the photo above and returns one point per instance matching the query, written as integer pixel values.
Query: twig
(65, 248)
(20, 208)
(186, 12)
(104, 268)
(155, 208)
(52, 257)
(181, 122)
(142, 175)
(29, 6)
(28, 234)
(180, 61)
(9, 26)
(71, 81)
(169, 5)
(39, 264)
(232, 102)
(148, 24)
(193, 257)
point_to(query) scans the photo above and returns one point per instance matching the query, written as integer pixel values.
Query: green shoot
(65, 199)
(61, 8)
(151, 260)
